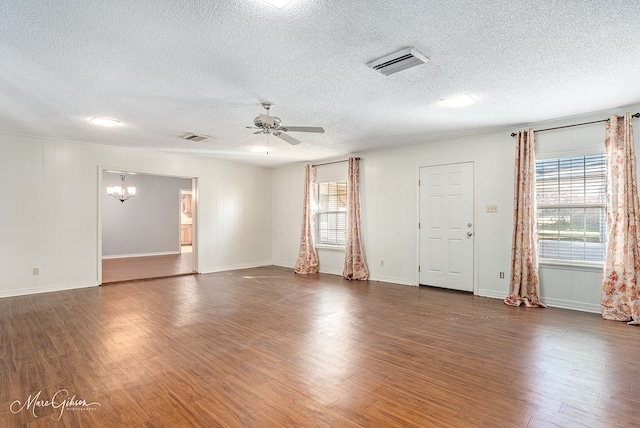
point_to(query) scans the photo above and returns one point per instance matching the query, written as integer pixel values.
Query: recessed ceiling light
(458, 101)
(259, 149)
(103, 121)
(278, 3)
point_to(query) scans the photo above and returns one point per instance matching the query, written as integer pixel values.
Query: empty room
(308, 213)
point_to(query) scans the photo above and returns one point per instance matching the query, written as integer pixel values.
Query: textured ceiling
(165, 68)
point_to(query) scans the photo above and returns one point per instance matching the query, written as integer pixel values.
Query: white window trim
(570, 153)
(571, 265)
(330, 247)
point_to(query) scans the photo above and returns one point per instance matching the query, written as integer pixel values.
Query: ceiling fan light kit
(398, 61)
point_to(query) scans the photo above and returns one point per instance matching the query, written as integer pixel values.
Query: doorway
(447, 226)
(140, 237)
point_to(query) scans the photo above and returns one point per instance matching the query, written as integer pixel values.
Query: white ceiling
(165, 68)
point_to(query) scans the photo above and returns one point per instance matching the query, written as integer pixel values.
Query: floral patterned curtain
(354, 264)
(620, 296)
(524, 287)
(307, 258)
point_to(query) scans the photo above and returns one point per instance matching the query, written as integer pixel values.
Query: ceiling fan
(271, 125)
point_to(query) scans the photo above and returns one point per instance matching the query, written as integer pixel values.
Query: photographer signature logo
(60, 401)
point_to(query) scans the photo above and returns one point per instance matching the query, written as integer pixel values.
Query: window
(331, 213)
(571, 197)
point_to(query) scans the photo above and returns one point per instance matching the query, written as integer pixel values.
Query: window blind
(571, 197)
(331, 213)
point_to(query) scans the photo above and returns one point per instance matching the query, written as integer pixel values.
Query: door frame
(475, 229)
(101, 188)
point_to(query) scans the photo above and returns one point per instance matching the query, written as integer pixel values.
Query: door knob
(469, 233)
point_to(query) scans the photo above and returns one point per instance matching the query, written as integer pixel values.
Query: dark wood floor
(148, 267)
(265, 348)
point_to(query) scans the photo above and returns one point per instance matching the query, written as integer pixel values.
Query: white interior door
(446, 226)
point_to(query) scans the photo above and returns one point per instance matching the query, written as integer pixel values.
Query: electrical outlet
(36, 271)
(381, 262)
(501, 275)
(492, 209)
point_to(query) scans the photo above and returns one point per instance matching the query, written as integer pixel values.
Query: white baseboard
(331, 271)
(47, 288)
(569, 304)
(124, 256)
(552, 303)
(235, 267)
(491, 293)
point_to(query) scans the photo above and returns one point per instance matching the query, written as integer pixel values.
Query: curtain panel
(620, 297)
(307, 262)
(524, 285)
(354, 264)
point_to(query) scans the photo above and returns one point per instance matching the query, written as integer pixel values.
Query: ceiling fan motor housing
(266, 121)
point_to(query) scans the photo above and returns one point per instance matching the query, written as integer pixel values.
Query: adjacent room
(150, 236)
(311, 213)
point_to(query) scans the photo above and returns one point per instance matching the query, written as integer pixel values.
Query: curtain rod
(340, 161)
(513, 134)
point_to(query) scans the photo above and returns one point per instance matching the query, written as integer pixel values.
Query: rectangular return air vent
(398, 61)
(193, 137)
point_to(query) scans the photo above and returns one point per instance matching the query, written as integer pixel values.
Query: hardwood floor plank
(403, 413)
(147, 267)
(265, 347)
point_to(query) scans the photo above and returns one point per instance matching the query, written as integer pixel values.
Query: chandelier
(122, 192)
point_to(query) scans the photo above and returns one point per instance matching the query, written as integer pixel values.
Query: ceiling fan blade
(317, 129)
(289, 139)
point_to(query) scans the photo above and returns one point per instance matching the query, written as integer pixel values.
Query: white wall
(49, 218)
(389, 199)
(288, 194)
(147, 224)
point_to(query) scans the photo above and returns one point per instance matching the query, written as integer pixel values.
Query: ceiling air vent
(398, 61)
(193, 137)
